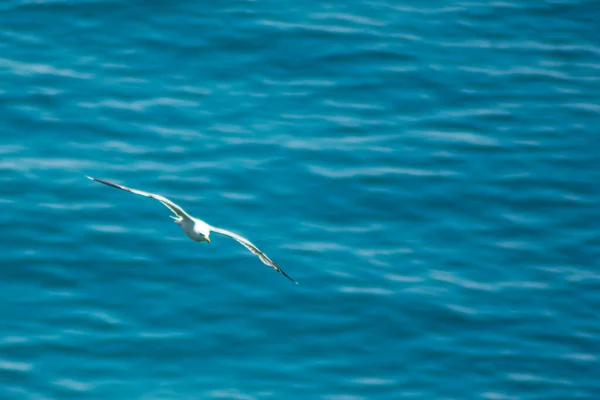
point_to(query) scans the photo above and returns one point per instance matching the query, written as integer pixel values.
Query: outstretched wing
(168, 203)
(263, 257)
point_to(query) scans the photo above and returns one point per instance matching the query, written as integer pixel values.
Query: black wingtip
(287, 276)
(109, 183)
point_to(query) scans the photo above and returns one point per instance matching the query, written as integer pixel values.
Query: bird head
(207, 238)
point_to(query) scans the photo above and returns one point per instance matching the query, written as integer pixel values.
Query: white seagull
(196, 229)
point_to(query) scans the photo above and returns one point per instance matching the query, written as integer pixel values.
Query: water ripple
(15, 366)
(374, 171)
(23, 68)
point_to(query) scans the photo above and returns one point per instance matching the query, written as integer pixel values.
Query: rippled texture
(428, 172)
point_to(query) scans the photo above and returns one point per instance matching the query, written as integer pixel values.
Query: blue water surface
(428, 171)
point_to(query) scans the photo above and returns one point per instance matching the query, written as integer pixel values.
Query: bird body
(196, 229)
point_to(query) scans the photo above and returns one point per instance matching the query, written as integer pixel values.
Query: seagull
(195, 228)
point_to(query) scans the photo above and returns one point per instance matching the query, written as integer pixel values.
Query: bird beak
(207, 239)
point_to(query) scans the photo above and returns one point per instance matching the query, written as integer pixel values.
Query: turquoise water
(428, 172)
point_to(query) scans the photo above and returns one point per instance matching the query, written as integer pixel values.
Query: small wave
(21, 68)
(374, 381)
(310, 27)
(366, 290)
(74, 385)
(139, 105)
(15, 366)
(375, 171)
(356, 19)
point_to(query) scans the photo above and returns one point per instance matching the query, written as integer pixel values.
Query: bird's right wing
(168, 203)
(263, 257)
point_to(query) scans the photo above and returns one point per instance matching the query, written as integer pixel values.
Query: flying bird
(195, 228)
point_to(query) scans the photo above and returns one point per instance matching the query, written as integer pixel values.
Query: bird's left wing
(263, 257)
(168, 203)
